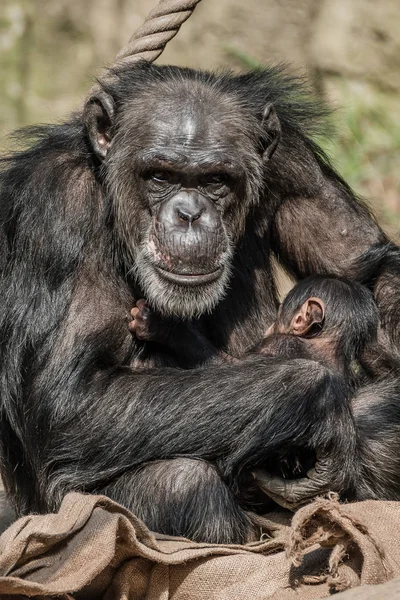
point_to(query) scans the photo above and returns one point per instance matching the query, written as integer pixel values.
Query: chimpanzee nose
(187, 210)
(187, 213)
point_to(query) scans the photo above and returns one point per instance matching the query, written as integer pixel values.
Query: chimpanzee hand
(293, 493)
(148, 325)
(188, 345)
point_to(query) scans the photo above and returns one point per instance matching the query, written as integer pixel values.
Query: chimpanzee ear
(272, 129)
(98, 117)
(309, 318)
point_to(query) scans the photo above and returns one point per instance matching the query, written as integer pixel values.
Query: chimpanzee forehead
(195, 119)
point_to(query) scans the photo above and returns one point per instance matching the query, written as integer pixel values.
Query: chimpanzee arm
(334, 233)
(387, 287)
(105, 423)
(377, 414)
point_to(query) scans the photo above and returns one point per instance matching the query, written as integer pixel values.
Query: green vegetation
(366, 147)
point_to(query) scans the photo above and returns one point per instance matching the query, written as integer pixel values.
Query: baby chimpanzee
(327, 319)
(335, 321)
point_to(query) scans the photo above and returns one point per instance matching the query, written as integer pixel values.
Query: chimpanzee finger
(132, 322)
(142, 308)
(292, 493)
(139, 313)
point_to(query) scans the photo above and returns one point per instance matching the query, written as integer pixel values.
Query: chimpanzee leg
(184, 497)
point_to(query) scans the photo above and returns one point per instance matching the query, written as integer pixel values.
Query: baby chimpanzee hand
(147, 325)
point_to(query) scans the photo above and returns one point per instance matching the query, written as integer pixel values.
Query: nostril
(196, 216)
(183, 216)
(188, 217)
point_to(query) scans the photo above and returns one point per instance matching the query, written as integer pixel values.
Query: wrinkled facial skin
(181, 191)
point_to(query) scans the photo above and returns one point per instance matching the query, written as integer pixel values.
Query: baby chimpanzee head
(333, 309)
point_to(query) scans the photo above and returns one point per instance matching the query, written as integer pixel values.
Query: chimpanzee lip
(184, 279)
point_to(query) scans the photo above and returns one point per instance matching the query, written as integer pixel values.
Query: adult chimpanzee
(171, 185)
(336, 322)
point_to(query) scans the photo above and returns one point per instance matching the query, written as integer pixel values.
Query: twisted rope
(161, 25)
(148, 42)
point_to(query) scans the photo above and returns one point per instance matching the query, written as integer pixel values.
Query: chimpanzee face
(183, 168)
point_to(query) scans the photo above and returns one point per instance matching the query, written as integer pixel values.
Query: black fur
(377, 413)
(351, 318)
(74, 414)
(348, 341)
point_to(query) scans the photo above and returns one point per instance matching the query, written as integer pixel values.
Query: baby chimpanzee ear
(272, 129)
(309, 318)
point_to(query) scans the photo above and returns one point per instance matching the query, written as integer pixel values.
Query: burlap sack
(384, 591)
(94, 548)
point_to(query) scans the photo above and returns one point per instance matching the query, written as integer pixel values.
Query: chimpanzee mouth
(194, 279)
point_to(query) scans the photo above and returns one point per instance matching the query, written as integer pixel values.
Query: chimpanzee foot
(293, 493)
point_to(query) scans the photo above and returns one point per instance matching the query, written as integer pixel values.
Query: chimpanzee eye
(160, 176)
(216, 179)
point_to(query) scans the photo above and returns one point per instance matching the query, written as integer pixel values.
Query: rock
(359, 38)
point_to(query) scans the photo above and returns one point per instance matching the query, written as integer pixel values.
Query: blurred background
(50, 50)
